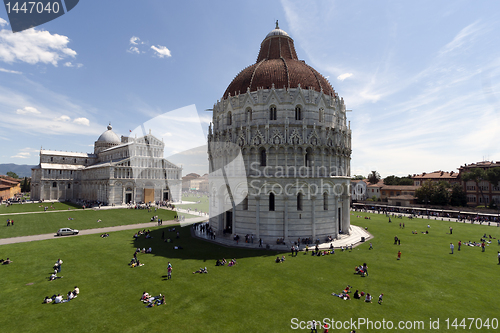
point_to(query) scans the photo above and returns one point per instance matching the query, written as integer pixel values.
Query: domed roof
(278, 64)
(109, 136)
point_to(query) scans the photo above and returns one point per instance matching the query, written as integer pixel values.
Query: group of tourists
(344, 294)
(72, 294)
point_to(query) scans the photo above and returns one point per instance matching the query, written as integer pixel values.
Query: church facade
(289, 126)
(120, 171)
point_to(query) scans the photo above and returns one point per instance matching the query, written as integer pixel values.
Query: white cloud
(68, 64)
(2, 22)
(9, 71)
(135, 40)
(28, 110)
(63, 118)
(344, 76)
(161, 51)
(81, 121)
(133, 49)
(33, 46)
(25, 153)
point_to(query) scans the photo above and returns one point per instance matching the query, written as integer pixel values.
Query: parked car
(67, 231)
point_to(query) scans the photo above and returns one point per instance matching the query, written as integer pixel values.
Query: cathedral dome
(278, 64)
(109, 136)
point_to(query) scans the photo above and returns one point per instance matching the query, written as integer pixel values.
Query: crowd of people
(344, 294)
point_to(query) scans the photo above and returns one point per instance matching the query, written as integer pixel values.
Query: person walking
(371, 246)
(313, 327)
(59, 264)
(169, 272)
(483, 246)
(498, 255)
(459, 245)
(399, 255)
(452, 247)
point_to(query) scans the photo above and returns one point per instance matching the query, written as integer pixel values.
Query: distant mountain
(21, 170)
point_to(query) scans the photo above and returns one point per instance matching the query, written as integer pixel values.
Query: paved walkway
(354, 239)
(137, 226)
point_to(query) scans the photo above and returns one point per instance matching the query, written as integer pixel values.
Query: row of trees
(442, 194)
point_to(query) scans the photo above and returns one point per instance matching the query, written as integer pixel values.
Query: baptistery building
(120, 171)
(288, 126)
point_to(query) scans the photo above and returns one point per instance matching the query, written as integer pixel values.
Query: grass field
(43, 223)
(257, 295)
(37, 207)
(203, 204)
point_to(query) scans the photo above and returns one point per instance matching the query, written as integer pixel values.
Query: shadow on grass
(192, 248)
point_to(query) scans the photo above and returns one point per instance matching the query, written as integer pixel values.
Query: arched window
(298, 113)
(308, 158)
(321, 115)
(52, 159)
(271, 202)
(249, 115)
(299, 201)
(272, 113)
(263, 157)
(229, 118)
(54, 184)
(325, 201)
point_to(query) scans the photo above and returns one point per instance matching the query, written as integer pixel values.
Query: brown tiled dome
(278, 63)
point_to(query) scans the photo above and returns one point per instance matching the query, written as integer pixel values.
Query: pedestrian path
(354, 238)
(137, 226)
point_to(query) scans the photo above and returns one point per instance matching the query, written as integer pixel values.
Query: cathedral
(120, 171)
(284, 120)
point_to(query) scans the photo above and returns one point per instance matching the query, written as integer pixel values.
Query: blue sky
(421, 79)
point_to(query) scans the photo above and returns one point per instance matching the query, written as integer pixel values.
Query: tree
(458, 197)
(477, 175)
(373, 177)
(25, 185)
(390, 180)
(440, 195)
(395, 180)
(12, 174)
(424, 192)
(493, 176)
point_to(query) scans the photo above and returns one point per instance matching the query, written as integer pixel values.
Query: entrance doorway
(228, 227)
(165, 196)
(128, 197)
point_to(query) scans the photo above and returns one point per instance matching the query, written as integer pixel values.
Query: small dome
(277, 32)
(109, 136)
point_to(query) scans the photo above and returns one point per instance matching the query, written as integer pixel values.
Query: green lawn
(257, 295)
(203, 205)
(37, 207)
(42, 223)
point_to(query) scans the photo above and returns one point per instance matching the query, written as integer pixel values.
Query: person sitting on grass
(145, 297)
(149, 250)
(283, 259)
(6, 261)
(343, 295)
(70, 296)
(356, 294)
(76, 291)
(368, 298)
(201, 270)
(104, 235)
(47, 300)
(58, 299)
